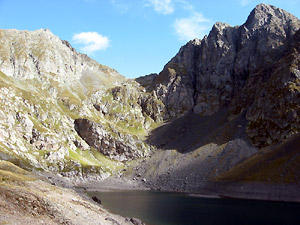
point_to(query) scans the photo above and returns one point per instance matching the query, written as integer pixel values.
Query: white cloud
(162, 6)
(186, 5)
(92, 41)
(191, 27)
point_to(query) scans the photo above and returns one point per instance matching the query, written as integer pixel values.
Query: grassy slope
(277, 164)
(57, 110)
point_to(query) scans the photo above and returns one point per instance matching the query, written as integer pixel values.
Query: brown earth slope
(26, 199)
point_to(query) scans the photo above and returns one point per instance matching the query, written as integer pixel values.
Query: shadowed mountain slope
(279, 164)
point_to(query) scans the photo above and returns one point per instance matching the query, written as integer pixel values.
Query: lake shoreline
(211, 189)
(251, 191)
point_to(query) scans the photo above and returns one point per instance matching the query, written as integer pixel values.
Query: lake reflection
(160, 208)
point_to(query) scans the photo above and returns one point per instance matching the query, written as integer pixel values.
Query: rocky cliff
(238, 68)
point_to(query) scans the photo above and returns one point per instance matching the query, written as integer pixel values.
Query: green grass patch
(38, 125)
(94, 158)
(12, 173)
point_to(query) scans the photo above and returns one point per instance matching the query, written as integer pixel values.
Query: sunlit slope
(46, 85)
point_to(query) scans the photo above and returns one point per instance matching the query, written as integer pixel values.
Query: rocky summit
(222, 117)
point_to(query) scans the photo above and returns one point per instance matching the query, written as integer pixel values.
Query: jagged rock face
(175, 85)
(243, 68)
(152, 107)
(206, 74)
(115, 145)
(274, 113)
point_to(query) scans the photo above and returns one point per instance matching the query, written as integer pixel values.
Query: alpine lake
(165, 208)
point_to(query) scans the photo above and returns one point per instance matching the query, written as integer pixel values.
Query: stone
(96, 199)
(135, 221)
(273, 113)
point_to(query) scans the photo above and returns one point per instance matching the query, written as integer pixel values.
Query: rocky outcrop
(275, 108)
(175, 85)
(147, 81)
(113, 144)
(131, 113)
(228, 68)
(206, 74)
(130, 107)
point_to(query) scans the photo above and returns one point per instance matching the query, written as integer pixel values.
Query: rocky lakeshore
(208, 189)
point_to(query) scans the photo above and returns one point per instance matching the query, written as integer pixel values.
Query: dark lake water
(160, 208)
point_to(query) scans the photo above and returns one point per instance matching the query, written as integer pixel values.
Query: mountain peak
(262, 6)
(44, 56)
(264, 9)
(264, 14)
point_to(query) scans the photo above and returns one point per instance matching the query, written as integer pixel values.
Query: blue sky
(135, 37)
